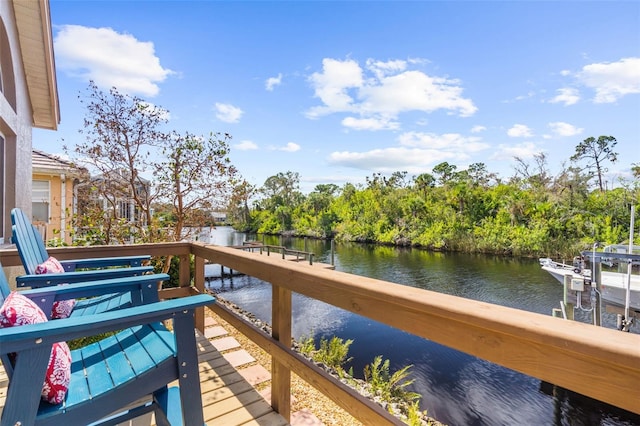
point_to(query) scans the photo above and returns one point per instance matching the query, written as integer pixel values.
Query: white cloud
(524, 151)
(564, 129)
(612, 80)
(370, 123)
(332, 85)
(519, 131)
(110, 59)
(384, 91)
(272, 82)
(447, 141)
(414, 91)
(246, 146)
(289, 147)
(417, 153)
(567, 96)
(530, 94)
(478, 129)
(387, 160)
(228, 113)
(382, 69)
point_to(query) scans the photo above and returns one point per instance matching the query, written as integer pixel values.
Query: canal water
(456, 388)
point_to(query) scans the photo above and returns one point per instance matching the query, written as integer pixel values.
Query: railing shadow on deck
(600, 363)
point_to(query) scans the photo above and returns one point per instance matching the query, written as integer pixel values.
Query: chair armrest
(46, 280)
(146, 285)
(24, 337)
(103, 262)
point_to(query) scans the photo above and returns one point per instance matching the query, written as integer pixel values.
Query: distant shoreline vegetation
(533, 215)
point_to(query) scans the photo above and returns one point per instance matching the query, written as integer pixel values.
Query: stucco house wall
(28, 98)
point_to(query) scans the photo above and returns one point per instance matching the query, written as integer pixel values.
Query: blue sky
(338, 91)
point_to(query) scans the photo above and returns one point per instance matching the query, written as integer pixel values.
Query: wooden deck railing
(600, 363)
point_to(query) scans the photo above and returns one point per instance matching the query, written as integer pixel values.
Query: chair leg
(164, 406)
(189, 378)
(23, 396)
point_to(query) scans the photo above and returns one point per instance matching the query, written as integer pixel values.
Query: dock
(216, 271)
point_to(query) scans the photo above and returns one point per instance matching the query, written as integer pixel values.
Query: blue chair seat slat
(78, 390)
(158, 348)
(135, 352)
(118, 364)
(166, 336)
(96, 370)
(78, 386)
(117, 301)
(98, 304)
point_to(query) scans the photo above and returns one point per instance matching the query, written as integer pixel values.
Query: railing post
(281, 331)
(198, 282)
(333, 250)
(184, 271)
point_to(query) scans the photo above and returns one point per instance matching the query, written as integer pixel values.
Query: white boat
(613, 284)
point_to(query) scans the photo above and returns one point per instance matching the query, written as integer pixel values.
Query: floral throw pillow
(50, 266)
(61, 308)
(18, 310)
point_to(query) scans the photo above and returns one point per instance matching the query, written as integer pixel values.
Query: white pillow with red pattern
(61, 308)
(18, 310)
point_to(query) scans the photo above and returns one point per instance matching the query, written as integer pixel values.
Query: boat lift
(583, 288)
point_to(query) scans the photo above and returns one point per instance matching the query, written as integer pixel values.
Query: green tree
(596, 152)
(282, 195)
(445, 171)
(423, 182)
(239, 204)
(195, 176)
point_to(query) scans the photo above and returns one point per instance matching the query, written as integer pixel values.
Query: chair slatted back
(30, 245)
(4, 286)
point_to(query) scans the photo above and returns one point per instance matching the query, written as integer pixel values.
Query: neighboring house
(113, 193)
(28, 98)
(219, 217)
(54, 197)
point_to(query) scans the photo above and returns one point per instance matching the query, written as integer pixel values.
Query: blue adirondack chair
(139, 360)
(93, 297)
(33, 253)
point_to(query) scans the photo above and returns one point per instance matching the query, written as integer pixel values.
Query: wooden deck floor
(228, 393)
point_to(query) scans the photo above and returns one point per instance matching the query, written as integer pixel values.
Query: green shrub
(386, 385)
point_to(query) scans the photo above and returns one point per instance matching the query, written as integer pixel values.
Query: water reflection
(456, 388)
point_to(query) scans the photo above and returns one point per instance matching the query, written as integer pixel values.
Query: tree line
(533, 213)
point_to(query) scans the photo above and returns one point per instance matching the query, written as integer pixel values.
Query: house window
(40, 200)
(123, 210)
